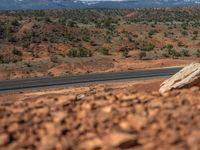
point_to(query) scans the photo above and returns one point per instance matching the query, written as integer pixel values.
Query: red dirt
(106, 117)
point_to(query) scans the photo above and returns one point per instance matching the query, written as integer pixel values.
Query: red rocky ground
(110, 119)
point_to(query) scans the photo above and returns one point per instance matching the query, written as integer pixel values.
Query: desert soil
(124, 115)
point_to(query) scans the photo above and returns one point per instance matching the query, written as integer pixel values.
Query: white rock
(80, 96)
(187, 77)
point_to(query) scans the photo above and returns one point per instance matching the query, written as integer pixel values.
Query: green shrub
(72, 53)
(151, 33)
(168, 46)
(15, 22)
(47, 20)
(92, 43)
(147, 46)
(16, 52)
(142, 55)
(194, 38)
(180, 44)
(82, 52)
(198, 53)
(72, 23)
(173, 53)
(103, 51)
(185, 53)
(12, 39)
(125, 53)
(195, 32)
(184, 33)
(1, 59)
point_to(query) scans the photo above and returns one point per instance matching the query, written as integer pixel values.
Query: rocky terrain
(110, 116)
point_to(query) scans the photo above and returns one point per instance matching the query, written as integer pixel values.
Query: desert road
(11, 85)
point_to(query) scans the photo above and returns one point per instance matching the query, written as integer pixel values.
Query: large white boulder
(187, 77)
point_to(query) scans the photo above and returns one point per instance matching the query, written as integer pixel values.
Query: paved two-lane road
(47, 82)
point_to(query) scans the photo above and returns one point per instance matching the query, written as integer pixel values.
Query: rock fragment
(121, 140)
(91, 144)
(80, 96)
(4, 139)
(187, 77)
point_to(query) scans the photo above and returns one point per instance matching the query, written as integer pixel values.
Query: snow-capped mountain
(72, 4)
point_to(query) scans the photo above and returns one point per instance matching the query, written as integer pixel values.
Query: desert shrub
(184, 33)
(81, 52)
(180, 44)
(92, 43)
(62, 21)
(86, 38)
(2, 31)
(72, 23)
(125, 53)
(25, 44)
(185, 53)
(15, 22)
(173, 53)
(130, 39)
(168, 34)
(103, 51)
(198, 53)
(184, 26)
(142, 54)
(146, 46)
(165, 55)
(12, 39)
(194, 37)
(55, 59)
(27, 36)
(9, 59)
(151, 33)
(168, 46)
(72, 53)
(165, 34)
(1, 59)
(47, 20)
(16, 52)
(28, 64)
(195, 32)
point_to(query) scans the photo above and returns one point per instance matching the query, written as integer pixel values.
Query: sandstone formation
(187, 77)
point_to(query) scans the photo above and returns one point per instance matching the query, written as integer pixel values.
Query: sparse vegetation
(142, 55)
(72, 52)
(185, 53)
(81, 52)
(16, 52)
(56, 35)
(103, 51)
(125, 53)
(146, 46)
(198, 53)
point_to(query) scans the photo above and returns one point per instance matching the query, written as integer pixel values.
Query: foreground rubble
(106, 120)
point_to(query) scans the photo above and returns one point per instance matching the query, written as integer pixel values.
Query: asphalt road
(10, 85)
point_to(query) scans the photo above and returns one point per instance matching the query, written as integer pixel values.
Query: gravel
(106, 120)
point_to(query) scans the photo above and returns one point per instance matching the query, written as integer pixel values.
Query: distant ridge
(78, 4)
